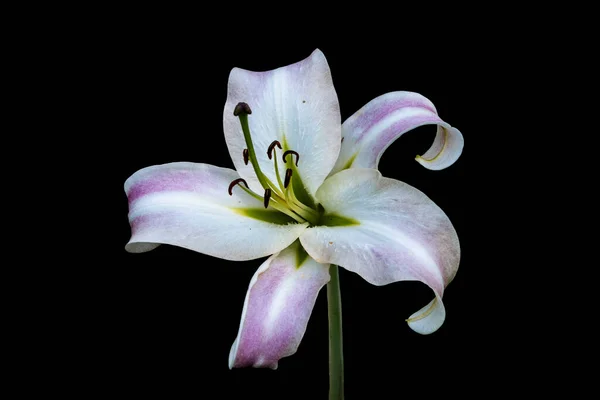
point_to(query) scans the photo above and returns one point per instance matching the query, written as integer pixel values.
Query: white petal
(400, 234)
(373, 128)
(188, 205)
(297, 105)
(277, 308)
(428, 319)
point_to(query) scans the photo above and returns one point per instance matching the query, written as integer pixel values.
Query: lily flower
(307, 193)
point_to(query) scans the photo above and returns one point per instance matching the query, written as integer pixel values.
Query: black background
(163, 322)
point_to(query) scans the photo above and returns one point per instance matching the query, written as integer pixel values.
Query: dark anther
(342, 140)
(288, 177)
(267, 197)
(242, 108)
(271, 147)
(291, 152)
(245, 153)
(235, 182)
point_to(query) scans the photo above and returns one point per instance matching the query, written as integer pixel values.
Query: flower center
(280, 196)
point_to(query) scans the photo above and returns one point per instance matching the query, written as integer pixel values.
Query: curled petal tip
(242, 108)
(446, 149)
(428, 319)
(373, 128)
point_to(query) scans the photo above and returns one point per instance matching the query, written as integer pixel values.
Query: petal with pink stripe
(373, 128)
(188, 205)
(277, 308)
(386, 231)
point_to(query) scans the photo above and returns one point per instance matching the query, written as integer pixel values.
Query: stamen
(281, 190)
(288, 177)
(291, 152)
(267, 197)
(245, 153)
(236, 182)
(242, 108)
(271, 147)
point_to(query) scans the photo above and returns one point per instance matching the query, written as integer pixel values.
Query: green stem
(336, 353)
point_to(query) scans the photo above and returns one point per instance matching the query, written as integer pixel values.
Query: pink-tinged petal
(296, 105)
(429, 318)
(373, 128)
(386, 231)
(277, 308)
(188, 205)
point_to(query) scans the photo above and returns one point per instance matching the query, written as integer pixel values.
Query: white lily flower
(319, 201)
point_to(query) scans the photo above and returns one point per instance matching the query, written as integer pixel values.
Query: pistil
(242, 110)
(306, 212)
